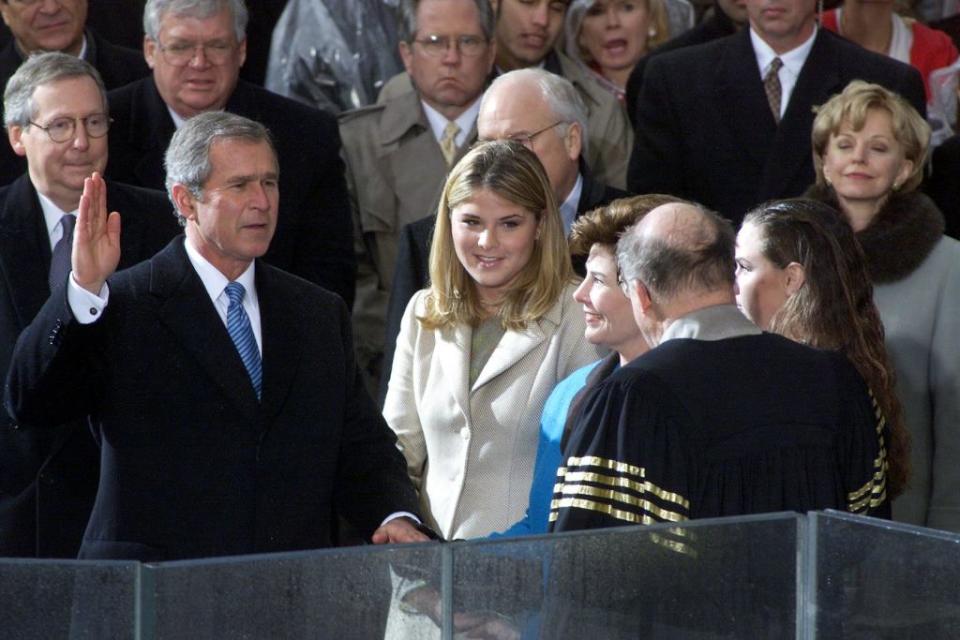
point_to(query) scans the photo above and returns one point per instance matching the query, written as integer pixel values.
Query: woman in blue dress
(610, 323)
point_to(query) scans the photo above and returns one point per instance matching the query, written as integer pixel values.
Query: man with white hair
(196, 49)
(719, 418)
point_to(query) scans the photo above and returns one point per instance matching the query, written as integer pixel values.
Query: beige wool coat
(470, 451)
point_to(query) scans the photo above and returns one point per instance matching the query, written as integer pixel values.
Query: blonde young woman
(869, 149)
(480, 350)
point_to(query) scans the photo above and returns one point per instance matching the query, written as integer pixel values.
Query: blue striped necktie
(60, 256)
(238, 326)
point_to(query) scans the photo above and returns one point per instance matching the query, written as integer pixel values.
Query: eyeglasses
(526, 139)
(436, 46)
(62, 129)
(180, 54)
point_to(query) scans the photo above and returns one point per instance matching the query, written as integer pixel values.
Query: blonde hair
(852, 107)
(657, 19)
(514, 173)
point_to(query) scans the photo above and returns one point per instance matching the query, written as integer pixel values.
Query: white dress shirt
(568, 208)
(438, 122)
(792, 60)
(52, 216)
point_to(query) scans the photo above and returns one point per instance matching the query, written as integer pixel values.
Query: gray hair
(38, 70)
(155, 10)
(561, 97)
(407, 19)
(701, 259)
(187, 160)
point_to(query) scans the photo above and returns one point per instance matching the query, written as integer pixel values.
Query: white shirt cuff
(400, 514)
(85, 306)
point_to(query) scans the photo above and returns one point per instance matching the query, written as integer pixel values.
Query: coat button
(46, 479)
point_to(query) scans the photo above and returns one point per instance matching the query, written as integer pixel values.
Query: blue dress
(552, 420)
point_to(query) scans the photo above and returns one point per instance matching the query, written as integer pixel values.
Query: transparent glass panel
(877, 579)
(336, 593)
(68, 599)
(730, 578)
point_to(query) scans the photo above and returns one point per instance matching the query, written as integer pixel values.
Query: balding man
(544, 112)
(719, 419)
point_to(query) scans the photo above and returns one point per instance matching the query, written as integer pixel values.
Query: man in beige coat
(398, 152)
(526, 35)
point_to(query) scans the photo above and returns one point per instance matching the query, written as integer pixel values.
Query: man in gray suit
(398, 152)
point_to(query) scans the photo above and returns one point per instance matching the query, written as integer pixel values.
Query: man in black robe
(719, 419)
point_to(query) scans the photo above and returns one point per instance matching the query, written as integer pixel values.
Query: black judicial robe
(699, 429)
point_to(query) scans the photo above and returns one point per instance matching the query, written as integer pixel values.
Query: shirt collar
(51, 213)
(178, 120)
(792, 60)
(568, 208)
(438, 122)
(214, 281)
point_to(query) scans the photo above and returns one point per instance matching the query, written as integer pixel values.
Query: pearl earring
(651, 32)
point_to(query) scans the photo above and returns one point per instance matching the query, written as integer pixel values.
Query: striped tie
(448, 143)
(238, 326)
(771, 85)
(60, 258)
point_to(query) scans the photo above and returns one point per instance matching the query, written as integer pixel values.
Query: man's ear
(644, 299)
(796, 276)
(406, 56)
(184, 201)
(14, 134)
(149, 50)
(243, 51)
(573, 141)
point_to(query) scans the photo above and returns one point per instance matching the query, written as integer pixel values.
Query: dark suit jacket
(314, 237)
(116, 65)
(412, 271)
(192, 464)
(706, 132)
(943, 184)
(48, 478)
(716, 26)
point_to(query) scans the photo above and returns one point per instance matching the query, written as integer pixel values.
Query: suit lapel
(412, 152)
(281, 340)
(742, 99)
(25, 249)
(186, 309)
(453, 353)
(150, 123)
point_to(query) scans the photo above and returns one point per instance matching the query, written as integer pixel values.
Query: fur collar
(900, 237)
